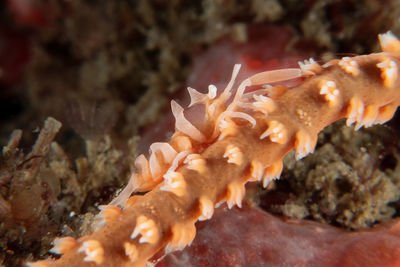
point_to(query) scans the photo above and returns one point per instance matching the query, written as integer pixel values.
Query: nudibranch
(242, 137)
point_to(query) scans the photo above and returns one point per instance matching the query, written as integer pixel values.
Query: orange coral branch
(193, 173)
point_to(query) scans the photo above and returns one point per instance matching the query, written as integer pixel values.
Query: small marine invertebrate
(243, 137)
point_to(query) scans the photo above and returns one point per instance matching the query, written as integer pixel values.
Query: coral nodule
(242, 137)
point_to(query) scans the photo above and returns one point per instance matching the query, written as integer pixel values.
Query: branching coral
(243, 137)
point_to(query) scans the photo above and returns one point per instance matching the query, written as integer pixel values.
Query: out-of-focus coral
(14, 55)
(33, 13)
(91, 119)
(28, 187)
(352, 179)
(135, 51)
(42, 192)
(252, 237)
(333, 23)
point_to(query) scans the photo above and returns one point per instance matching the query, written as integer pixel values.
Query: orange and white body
(246, 137)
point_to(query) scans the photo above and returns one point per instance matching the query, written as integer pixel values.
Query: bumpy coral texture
(243, 137)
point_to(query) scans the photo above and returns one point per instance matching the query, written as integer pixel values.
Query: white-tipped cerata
(206, 208)
(235, 195)
(107, 214)
(174, 183)
(355, 112)
(389, 42)
(370, 115)
(212, 91)
(233, 154)
(142, 164)
(185, 126)
(63, 244)
(147, 229)
(309, 67)
(226, 94)
(131, 251)
(330, 91)
(349, 65)
(264, 104)
(196, 162)
(227, 128)
(276, 131)
(272, 172)
(256, 170)
(303, 144)
(168, 153)
(94, 251)
(182, 236)
(196, 97)
(389, 72)
(199, 98)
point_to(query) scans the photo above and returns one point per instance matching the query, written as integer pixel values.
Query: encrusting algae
(243, 137)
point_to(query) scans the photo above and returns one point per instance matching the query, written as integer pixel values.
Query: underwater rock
(252, 237)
